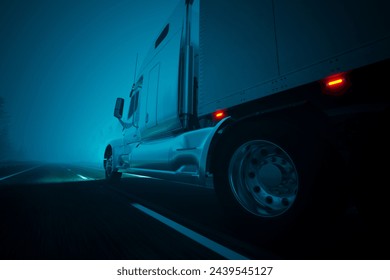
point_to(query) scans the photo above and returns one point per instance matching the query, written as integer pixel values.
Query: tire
(370, 167)
(111, 174)
(272, 175)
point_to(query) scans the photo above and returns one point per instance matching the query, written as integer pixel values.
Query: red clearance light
(220, 114)
(335, 84)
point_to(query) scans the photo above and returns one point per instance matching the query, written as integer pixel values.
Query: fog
(63, 63)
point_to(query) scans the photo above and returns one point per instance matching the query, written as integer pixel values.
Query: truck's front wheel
(271, 174)
(111, 174)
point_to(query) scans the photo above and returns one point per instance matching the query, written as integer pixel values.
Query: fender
(205, 177)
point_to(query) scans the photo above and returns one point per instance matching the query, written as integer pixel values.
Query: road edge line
(12, 175)
(200, 239)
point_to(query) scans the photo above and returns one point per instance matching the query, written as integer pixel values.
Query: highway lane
(67, 211)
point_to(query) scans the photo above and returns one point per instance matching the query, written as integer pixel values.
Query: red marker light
(218, 115)
(336, 82)
(335, 85)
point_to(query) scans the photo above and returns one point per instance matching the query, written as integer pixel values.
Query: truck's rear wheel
(263, 178)
(272, 174)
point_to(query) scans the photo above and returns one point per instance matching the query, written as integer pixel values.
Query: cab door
(152, 97)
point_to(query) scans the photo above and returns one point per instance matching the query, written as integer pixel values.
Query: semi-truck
(280, 106)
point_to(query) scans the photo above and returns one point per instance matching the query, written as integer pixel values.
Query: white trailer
(276, 104)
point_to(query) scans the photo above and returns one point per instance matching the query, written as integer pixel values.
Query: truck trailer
(281, 106)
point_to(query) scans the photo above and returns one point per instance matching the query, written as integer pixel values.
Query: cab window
(133, 104)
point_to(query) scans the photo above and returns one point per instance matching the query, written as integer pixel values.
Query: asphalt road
(62, 211)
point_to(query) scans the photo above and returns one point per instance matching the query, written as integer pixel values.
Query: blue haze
(63, 63)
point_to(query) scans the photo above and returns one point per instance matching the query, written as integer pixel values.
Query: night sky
(63, 63)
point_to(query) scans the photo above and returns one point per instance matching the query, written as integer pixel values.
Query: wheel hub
(270, 175)
(263, 178)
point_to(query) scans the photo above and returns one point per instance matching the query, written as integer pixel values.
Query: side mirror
(119, 108)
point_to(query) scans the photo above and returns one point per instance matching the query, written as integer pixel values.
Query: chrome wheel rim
(263, 178)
